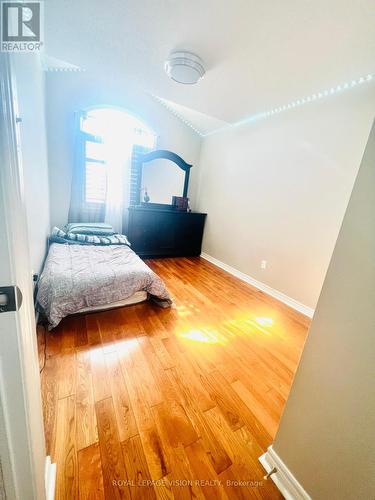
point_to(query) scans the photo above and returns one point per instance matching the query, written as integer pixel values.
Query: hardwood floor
(144, 402)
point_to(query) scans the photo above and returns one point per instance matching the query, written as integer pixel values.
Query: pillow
(60, 236)
(98, 228)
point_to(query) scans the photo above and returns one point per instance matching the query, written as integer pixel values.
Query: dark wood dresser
(165, 232)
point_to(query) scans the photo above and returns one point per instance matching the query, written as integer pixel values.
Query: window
(95, 182)
(95, 170)
(106, 135)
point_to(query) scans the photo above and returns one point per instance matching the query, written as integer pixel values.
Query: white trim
(50, 479)
(21, 398)
(284, 480)
(6, 450)
(307, 311)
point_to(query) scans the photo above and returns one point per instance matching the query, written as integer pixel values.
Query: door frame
(22, 445)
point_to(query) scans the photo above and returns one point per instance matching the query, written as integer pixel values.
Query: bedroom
(236, 162)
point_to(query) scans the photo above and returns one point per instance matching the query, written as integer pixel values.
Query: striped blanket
(60, 236)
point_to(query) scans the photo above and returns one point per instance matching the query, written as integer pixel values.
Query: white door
(22, 449)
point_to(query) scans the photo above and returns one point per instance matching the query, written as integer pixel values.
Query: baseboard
(307, 311)
(284, 480)
(50, 479)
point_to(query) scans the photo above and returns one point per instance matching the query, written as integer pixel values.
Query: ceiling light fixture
(184, 67)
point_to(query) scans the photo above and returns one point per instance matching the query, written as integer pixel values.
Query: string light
(177, 115)
(294, 104)
(268, 113)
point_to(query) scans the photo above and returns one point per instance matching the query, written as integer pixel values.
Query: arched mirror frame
(165, 155)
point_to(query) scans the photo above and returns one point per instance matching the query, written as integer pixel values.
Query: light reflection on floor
(246, 326)
(186, 310)
(204, 336)
(264, 321)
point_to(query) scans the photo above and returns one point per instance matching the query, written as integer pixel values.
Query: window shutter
(134, 173)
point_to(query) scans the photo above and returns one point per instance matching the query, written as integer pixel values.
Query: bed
(84, 278)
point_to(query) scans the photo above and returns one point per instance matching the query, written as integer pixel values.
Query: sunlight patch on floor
(203, 336)
(264, 321)
(261, 324)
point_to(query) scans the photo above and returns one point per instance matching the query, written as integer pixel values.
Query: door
(22, 449)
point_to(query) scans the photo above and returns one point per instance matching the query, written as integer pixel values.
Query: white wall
(277, 190)
(327, 432)
(69, 92)
(31, 92)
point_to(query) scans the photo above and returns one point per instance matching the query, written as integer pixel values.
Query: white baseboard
(307, 311)
(50, 479)
(284, 480)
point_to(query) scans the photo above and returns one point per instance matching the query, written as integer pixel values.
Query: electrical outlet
(263, 264)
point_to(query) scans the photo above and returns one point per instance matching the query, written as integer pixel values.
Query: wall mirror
(161, 175)
(161, 180)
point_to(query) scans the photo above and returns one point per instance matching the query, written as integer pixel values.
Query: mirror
(159, 175)
(161, 179)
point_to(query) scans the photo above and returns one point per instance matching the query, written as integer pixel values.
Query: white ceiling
(201, 123)
(258, 54)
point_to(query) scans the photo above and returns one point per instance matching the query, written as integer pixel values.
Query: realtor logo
(20, 26)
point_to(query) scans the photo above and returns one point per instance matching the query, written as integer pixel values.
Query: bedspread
(75, 277)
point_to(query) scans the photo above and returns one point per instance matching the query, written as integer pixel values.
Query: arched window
(108, 139)
(109, 132)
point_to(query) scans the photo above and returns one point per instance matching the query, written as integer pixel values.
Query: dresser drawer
(163, 233)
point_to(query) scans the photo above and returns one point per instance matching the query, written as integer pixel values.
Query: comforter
(79, 276)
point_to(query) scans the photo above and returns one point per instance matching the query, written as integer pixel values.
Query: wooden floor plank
(140, 370)
(87, 432)
(110, 327)
(213, 448)
(138, 400)
(92, 329)
(155, 452)
(258, 405)
(181, 480)
(80, 332)
(90, 475)
(65, 452)
(246, 466)
(114, 472)
(178, 396)
(137, 470)
(99, 372)
(126, 423)
(203, 472)
(179, 427)
(66, 373)
(234, 409)
(54, 340)
(49, 390)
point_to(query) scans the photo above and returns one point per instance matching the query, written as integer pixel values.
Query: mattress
(77, 278)
(136, 298)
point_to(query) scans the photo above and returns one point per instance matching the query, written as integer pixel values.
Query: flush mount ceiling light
(184, 67)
